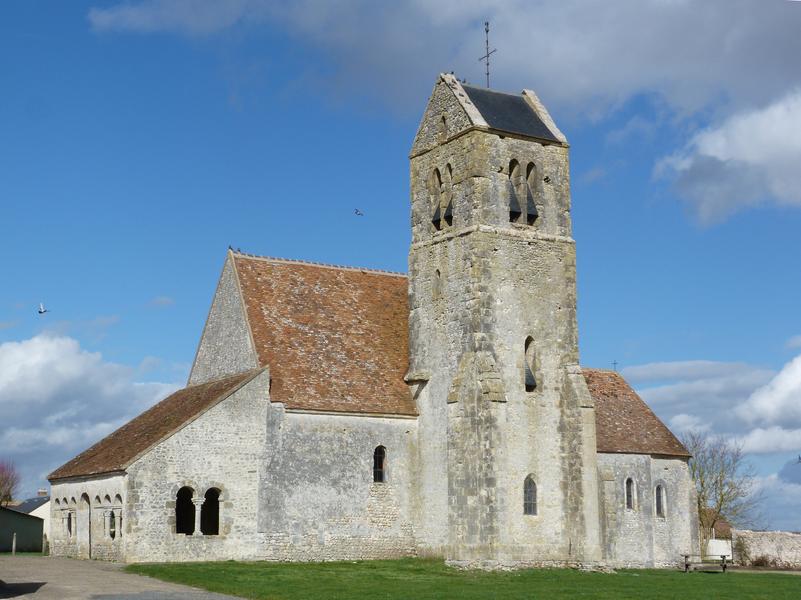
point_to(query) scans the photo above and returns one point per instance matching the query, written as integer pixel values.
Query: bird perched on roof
(42, 309)
(357, 212)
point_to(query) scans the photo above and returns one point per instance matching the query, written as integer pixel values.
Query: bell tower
(506, 430)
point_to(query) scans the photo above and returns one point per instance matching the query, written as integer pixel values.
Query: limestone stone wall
(225, 347)
(318, 497)
(224, 449)
(478, 289)
(781, 548)
(637, 536)
(81, 517)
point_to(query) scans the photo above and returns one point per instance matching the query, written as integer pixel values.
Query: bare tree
(725, 482)
(9, 480)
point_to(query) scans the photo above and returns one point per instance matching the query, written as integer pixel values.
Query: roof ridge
(295, 261)
(486, 89)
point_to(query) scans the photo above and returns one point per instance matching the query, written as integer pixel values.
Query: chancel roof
(122, 447)
(335, 338)
(623, 421)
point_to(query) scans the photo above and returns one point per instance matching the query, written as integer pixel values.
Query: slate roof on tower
(335, 338)
(508, 112)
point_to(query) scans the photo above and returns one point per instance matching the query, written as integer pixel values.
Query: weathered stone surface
(225, 347)
(781, 548)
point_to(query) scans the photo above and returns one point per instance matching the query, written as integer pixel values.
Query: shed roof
(623, 421)
(119, 449)
(30, 505)
(335, 338)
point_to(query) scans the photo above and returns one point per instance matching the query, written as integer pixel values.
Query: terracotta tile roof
(623, 421)
(334, 338)
(119, 449)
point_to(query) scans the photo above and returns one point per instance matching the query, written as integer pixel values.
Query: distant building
(28, 530)
(38, 506)
(338, 413)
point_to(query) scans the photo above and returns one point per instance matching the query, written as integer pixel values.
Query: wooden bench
(699, 565)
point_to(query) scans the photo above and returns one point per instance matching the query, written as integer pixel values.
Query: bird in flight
(357, 212)
(42, 309)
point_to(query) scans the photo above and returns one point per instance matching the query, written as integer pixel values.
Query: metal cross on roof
(487, 55)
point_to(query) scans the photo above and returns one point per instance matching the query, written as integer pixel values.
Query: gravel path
(68, 579)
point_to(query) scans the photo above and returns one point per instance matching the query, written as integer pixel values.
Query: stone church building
(345, 413)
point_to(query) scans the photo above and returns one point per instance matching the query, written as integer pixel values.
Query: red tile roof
(119, 449)
(623, 421)
(334, 338)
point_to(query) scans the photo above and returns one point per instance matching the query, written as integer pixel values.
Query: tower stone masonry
(480, 287)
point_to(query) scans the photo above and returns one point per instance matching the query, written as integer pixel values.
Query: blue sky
(140, 139)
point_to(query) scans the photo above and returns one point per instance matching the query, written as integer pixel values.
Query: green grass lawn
(431, 579)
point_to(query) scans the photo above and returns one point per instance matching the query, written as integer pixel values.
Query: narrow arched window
(630, 493)
(442, 130)
(434, 192)
(379, 462)
(532, 185)
(69, 524)
(112, 525)
(659, 494)
(529, 496)
(436, 285)
(446, 196)
(530, 366)
(210, 513)
(185, 511)
(516, 199)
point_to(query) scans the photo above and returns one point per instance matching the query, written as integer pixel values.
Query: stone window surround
(634, 490)
(527, 500)
(197, 501)
(660, 488)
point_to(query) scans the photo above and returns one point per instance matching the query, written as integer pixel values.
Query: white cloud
(782, 501)
(705, 390)
(795, 341)
(56, 399)
(683, 422)
(161, 301)
(771, 439)
(577, 53)
(750, 158)
(685, 370)
(777, 402)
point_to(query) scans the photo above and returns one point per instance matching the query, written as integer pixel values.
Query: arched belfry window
(446, 196)
(530, 366)
(630, 493)
(532, 185)
(434, 187)
(185, 511)
(529, 496)
(210, 513)
(522, 192)
(379, 464)
(515, 184)
(659, 496)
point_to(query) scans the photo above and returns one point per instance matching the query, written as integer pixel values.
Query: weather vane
(487, 55)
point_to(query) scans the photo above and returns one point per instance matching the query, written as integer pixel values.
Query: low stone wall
(777, 548)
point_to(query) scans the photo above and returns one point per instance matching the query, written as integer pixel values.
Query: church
(339, 413)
